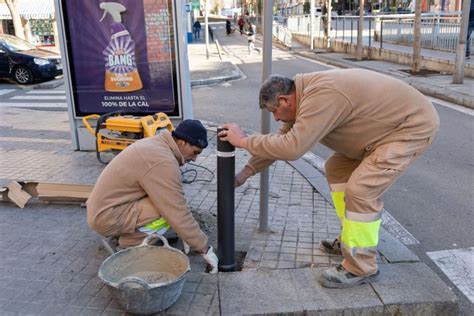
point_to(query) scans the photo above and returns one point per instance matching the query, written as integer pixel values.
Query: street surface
(433, 201)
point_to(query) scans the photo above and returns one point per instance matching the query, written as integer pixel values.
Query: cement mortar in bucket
(145, 279)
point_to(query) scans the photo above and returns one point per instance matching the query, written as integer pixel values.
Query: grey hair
(273, 87)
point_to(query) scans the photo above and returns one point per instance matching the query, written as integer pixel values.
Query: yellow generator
(115, 131)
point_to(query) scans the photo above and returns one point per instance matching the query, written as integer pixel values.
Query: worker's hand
(242, 176)
(211, 259)
(234, 135)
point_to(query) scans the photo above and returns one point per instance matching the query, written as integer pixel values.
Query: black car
(25, 63)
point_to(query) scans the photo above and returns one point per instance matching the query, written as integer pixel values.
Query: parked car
(25, 63)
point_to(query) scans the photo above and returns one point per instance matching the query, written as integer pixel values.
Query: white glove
(186, 247)
(211, 259)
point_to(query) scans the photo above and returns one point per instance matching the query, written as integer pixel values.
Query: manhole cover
(423, 72)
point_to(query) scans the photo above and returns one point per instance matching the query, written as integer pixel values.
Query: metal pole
(352, 28)
(206, 28)
(265, 118)
(381, 35)
(225, 205)
(370, 32)
(73, 123)
(311, 31)
(343, 27)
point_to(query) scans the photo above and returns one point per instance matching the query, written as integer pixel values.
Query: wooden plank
(17, 195)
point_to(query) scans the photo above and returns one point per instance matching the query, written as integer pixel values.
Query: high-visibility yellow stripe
(360, 234)
(339, 204)
(157, 224)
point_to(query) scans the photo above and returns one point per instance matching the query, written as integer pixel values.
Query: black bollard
(225, 205)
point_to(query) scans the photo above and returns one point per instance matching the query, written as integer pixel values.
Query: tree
(17, 25)
(416, 62)
(458, 74)
(360, 30)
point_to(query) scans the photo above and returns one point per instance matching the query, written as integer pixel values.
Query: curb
(215, 80)
(50, 84)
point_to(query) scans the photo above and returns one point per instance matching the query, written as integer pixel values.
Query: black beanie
(193, 132)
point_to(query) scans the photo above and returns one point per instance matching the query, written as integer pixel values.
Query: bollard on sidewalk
(225, 205)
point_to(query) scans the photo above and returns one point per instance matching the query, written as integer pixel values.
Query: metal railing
(436, 33)
(282, 34)
(439, 31)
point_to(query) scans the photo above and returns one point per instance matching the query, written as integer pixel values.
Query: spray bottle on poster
(121, 73)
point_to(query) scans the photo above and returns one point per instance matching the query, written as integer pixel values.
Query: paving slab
(258, 292)
(319, 300)
(414, 289)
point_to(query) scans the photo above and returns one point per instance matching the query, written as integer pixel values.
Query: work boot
(331, 246)
(339, 278)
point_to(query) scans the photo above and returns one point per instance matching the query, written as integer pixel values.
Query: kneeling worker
(140, 191)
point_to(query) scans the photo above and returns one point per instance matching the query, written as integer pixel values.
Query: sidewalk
(49, 258)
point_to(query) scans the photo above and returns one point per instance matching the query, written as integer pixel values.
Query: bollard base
(227, 268)
(237, 266)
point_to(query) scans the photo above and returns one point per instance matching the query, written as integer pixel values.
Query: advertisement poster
(122, 56)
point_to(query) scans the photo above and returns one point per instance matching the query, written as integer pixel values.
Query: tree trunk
(360, 30)
(416, 61)
(18, 26)
(458, 74)
(328, 26)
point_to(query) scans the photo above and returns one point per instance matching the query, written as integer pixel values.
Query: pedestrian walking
(228, 27)
(241, 24)
(377, 126)
(252, 30)
(197, 29)
(140, 191)
(469, 31)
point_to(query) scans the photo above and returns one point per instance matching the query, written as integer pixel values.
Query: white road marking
(458, 265)
(5, 91)
(453, 106)
(33, 105)
(36, 91)
(39, 97)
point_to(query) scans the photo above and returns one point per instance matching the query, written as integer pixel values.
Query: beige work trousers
(124, 220)
(364, 182)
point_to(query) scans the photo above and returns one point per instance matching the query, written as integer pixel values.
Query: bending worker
(376, 125)
(140, 191)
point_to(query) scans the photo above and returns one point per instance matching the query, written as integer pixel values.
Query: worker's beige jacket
(352, 111)
(149, 167)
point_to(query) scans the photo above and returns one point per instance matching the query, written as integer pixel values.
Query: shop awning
(30, 9)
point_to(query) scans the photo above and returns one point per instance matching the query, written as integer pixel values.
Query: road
(433, 201)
